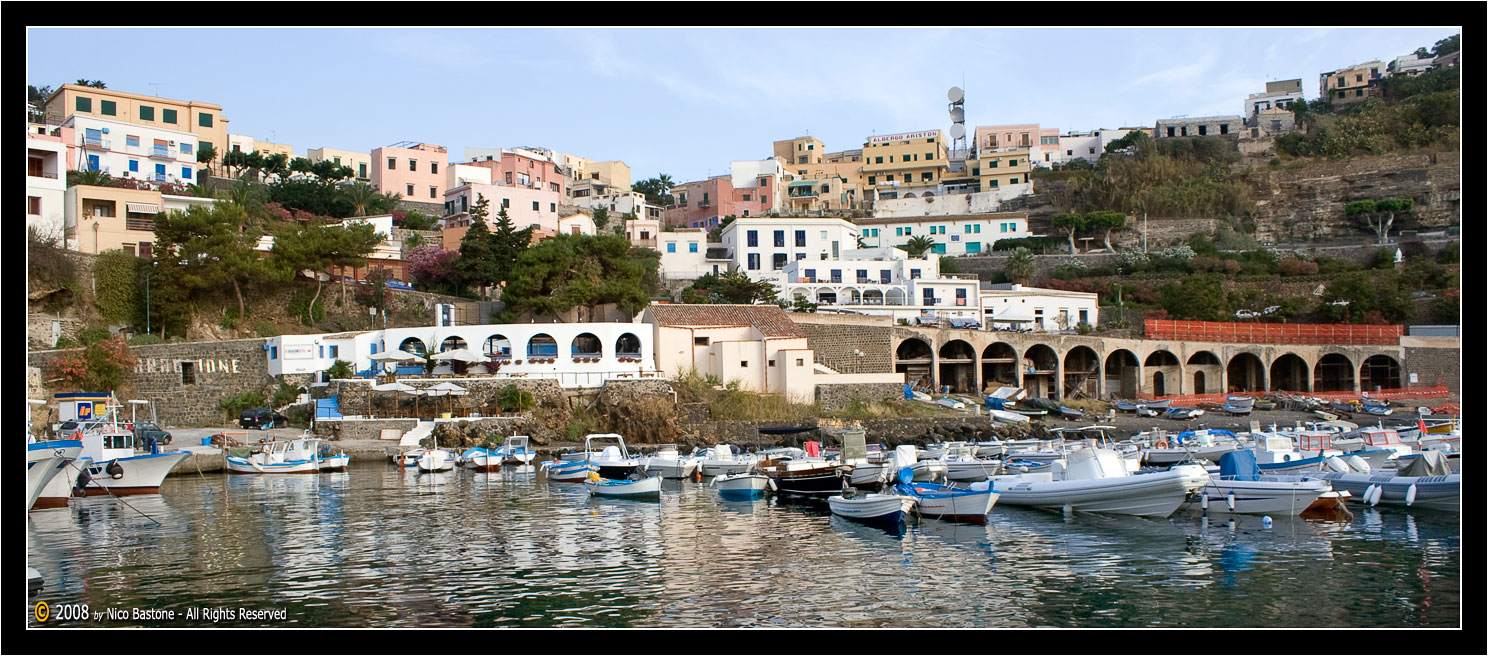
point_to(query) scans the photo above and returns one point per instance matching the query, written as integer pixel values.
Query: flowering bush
(430, 264)
(99, 367)
(1179, 253)
(1129, 261)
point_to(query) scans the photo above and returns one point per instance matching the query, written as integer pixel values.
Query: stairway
(419, 432)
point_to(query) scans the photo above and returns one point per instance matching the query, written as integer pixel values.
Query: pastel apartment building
(972, 234)
(1004, 157)
(202, 119)
(133, 151)
(1351, 84)
(360, 163)
(685, 255)
(46, 182)
(880, 281)
(839, 175)
(521, 167)
(525, 207)
(98, 219)
(642, 232)
(1017, 306)
(705, 203)
(896, 165)
(414, 170)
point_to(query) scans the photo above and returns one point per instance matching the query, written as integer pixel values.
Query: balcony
(142, 225)
(98, 143)
(165, 153)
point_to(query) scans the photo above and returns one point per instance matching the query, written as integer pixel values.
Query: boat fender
(83, 479)
(1410, 494)
(906, 475)
(1204, 501)
(772, 484)
(1368, 491)
(1160, 445)
(115, 470)
(1378, 492)
(1266, 521)
(1230, 500)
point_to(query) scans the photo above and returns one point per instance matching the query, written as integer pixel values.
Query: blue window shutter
(160, 169)
(186, 173)
(134, 165)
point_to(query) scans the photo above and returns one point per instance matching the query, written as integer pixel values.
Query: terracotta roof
(770, 320)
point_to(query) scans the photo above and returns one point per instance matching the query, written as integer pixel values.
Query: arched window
(413, 345)
(628, 346)
(497, 346)
(585, 345)
(542, 345)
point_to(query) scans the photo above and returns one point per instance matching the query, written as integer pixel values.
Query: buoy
(1266, 521)
(1410, 494)
(1230, 500)
(1204, 501)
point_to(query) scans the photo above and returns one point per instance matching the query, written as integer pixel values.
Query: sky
(687, 101)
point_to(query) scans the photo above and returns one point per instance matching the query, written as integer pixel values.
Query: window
(876, 160)
(433, 191)
(535, 205)
(1071, 153)
(33, 205)
(107, 107)
(147, 113)
(169, 116)
(967, 228)
(273, 353)
(700, 341)
(938, 249)
(1224, 128)
(160, 170)
(1012, 181)
(862, 275)
(929, 155)
(779, 238)
(908, 230)
(800, 362)
(810, 274)
(1359, 78)
(506, 202)
(1084, 316)
(836, 275)
(185, 173)
(433, 167)
(1341, 94)
(1004, 227)
(746, 197)
(410, 190)
(204, 120)
(885, 276)
(84, 104)
(552, 207)
(973, 247)
(186, 148)
(131, 140)
(929, 297)
(872, 179)
(978, 229)
(995, 163)
(754, 261)
(671, 247)
(413, 165)
(744, 364)
(692, 247)
(362, 170)
(753, 238)
(134, 165)
(800, 238)
(926, 177)
(800, 256)
(772, 363)
(908, 177)
(1092, 150)
(188, 373)
(914, 274)
(1203, 130)
(1170, 130)
(1012, 162)
(1358, 92)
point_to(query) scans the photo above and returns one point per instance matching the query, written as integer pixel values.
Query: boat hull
(45, 461)
(1143, 495)
(142, 474)
(872, 508)
(809, 484)
(1440, 492)
(972, 471)
(672, 468)
(953, 504)
(338, 462)
(237, 465)
(646, 488)
(569, 472)
(724, 467)
(1279, 495)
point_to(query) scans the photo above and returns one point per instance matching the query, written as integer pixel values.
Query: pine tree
(478, 263)
(509, 243)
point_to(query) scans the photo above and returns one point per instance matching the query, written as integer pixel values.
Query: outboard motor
(1359, 464)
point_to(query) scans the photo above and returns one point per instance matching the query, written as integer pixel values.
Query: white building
(1015, 306)
(880, 281)
(134, 151)
(1278, 95)
(46, 183)
(1410, 65)
(576, 224)
(748, 174)
(619, 204)
(758, 245)
(684, 255)
(575, 354)
(1088, 145)
(457, 174)
(949, 204)
(953, 235)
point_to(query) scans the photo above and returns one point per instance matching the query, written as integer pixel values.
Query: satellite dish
(958, 131)
(954, 95)
(958, 115)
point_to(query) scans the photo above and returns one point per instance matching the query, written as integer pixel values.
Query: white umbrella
(465, 355)
(396, 355)
(447, 389)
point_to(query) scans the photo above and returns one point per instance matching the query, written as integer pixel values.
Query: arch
(800, 294)
(894, 296)
(628, 346)
(415, 346)
(585, 345)
(928, 194)
(1161, 358)
(913, 358)
(958, 366)
(453, 342)
(826, 296)
(1380, 372)
(1123, 373)
(1082, 372)
(1246, 373)
(542, 345)
(1159, 387)
(1161, 370)
(850, 296)
(1199, 386)
(873, 297)
(1000, 365)
(1290, 372)
(497, 346)
(1204, 358)
(1040, 364)
(913, 348)
(909, 195)
(1334, 372)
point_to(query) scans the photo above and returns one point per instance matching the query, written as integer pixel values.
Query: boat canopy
(1239, 466)
(1428, 463)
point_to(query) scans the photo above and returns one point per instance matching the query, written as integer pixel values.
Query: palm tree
(1019, 267)
(361, 196)
(200, 190)
(245, 194)
(918, 246)
(89, 177)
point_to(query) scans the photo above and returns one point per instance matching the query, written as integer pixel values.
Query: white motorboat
(1007, 417)
(1240, 488)
(435, 460)
(648, 487)
(62, 487)
(871, 508)
(46, 462)
(116, 469)
(1203, 444)
(1097, 480)
(742, 486)
(906, 455)
(961, 465)
(956, 504)
(515, 452)
(1427, 482)
(614, 461)
(666, 462)
(722, 461)
(482, 459)
(568, 472)
(330, 462)
(301, 456)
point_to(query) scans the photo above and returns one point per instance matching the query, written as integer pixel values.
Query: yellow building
(266, 148)
(910, 159)
(202, 119)
(1003, 168)
(361, 163)
(99, 219)
(801, 150)
(1352, 84)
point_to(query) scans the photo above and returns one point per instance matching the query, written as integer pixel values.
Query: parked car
(261, 418)
(144, 430)
(399, 284)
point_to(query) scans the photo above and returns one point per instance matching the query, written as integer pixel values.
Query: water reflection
(380, 546)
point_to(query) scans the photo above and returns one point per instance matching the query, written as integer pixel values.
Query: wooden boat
(871, 508)
(742, 486)
(805, 477)
(648, 487)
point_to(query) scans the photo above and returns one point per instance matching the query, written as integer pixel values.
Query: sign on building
(299, 352)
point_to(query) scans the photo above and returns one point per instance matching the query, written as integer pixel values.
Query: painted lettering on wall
(171, 366)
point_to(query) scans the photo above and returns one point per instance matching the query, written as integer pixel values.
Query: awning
(803, 183)
(142, 208)
(1013, 315)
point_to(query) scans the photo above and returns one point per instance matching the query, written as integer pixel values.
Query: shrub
(1447, 309)
(285, 394)
(143, 339)
(266, 329)
(1232, 268)
(298, 304)
(513, 398)
(1083, 328)
(1384, 258)
(1130, 261)
(1070, 270)
(235, 405)
(1295, 267)
(99, 367)
(118, 295)
(1450, 254)
(1201, 244)
(1204, 264)
(1331, 265)
(342, 369)
(1183, 253)
(93, 335)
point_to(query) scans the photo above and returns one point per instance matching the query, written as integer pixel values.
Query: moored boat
(515, 451)
(648, 487)
(956, 504)
(46, 462)
(301, 456)
(482, 459)
(666, 462)
(1427, 482)
(1097, 480)
(1241, 488)
(742, 486)
(871, 508)
(116, 469)
(568, 472)
(805, 477)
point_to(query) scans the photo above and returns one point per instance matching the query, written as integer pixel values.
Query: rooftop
(953, 217)
(770, 320)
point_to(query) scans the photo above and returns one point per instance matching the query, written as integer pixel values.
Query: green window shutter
(168, 116)
(107, 107)
(204, 120)
(147, 113)
(84, 104)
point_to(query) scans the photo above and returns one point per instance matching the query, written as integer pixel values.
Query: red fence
(1273, 333)
(1437, 392)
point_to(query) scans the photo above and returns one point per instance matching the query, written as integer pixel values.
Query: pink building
(415, 170)
(522, 168)
(705, 203)
(525, 207)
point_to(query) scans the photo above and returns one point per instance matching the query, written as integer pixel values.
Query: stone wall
(358, 429)
(425, 208)
(1432, 365)
(838, 396)
(1307, 203)
(849, 345)
(428, 237)
(354, 396)
(219, 369)
(919, 431)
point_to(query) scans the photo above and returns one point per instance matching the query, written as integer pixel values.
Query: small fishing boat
(614, 461)
(435, 460)
(1202, 444)
(1126, 406)
(482, 459)
(1097, 480)
(1266, 404)
(635, 485)
(722, 461)
(1241, 488)
(515, 451)
(1007, 417)
(868, 508)
(805, 477)
(118, 470)
(961, 465)
(1427, 482)
(1184, 413)
(666, 462)
(1159, 405)
(1072, 414)
(337, 461)
(45, 462)
(1238, 405)
(568, 472)
(742, 486)
(956, 504)
(301, 456)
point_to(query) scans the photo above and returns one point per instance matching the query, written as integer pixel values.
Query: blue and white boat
(956, 504)
(634, 486)
(301, 456)
(884, 509)
(742, 487)
(337, 461)
(515, 451)
(45, 462)
(568, 472)
(482, 459)
(118, 470)
(1241, 488)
